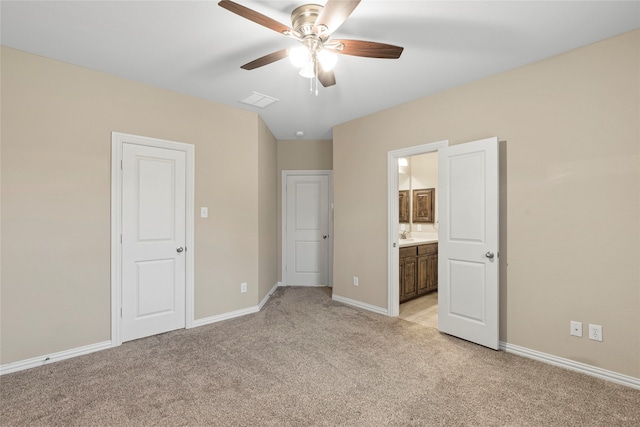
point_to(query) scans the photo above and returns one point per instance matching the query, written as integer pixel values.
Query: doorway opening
(418, 240)
(427, 230)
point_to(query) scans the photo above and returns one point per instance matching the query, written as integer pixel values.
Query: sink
(406, 240)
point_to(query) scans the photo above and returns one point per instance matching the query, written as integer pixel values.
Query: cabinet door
(410, 285)
(432, 272)
(423, 274)
(402, 265)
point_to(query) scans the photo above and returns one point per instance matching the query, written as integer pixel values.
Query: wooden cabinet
(418, 270)
(423, 277)
(423, 205)
(427, 268)
(408, 273)
(403, 210)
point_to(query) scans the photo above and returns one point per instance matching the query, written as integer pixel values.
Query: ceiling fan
(312, 25)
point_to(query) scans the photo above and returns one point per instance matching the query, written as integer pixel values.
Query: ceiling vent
(259, 100)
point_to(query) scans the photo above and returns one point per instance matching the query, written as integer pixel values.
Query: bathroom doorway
(393, 168)
(418, 226)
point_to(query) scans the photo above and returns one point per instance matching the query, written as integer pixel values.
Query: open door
(468, 241)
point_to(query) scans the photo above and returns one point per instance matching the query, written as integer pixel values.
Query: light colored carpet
(305, 360)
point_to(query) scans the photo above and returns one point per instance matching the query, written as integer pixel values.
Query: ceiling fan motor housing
(303, 19)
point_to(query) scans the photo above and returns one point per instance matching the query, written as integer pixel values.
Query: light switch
(204, 212)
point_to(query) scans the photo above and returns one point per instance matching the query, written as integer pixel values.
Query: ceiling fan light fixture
(327, 60)
(299, 56)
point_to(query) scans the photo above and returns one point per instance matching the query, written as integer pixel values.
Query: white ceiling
(197, 47)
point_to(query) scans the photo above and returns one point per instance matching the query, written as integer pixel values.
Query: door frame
(117, 141)
(283, 238)
(393, 251)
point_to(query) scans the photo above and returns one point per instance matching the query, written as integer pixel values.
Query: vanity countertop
(415, 241)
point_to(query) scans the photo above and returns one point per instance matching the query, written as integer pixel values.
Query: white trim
(117, 139)
(393, 261)
(283, 228)
(359, 304)
(571, 364)
(35, 362)
(268, 295)
(105, 345)
(305, 286)
(225, 316)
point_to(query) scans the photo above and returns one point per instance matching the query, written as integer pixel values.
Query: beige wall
(299, 154)
(57, 121)
(267, 211)
(571, 180)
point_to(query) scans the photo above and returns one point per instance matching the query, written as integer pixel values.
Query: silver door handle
(325, 236)
(489, 255)
(180, 249)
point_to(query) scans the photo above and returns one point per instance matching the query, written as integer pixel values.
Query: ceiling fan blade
(367, 49)
(333, 14)
(265, 60)
(327, 78)
(254, 16)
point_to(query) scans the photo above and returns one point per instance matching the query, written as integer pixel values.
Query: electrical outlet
(355, 281)
(243, 287)
(595, 332)
(576, 329)
(419, 227)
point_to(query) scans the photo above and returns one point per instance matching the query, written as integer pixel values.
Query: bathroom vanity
(418, 267)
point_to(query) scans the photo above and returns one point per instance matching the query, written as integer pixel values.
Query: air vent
(259, 100)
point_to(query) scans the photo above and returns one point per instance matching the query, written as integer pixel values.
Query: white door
(307, 230)
(153, 240)
(468, 241)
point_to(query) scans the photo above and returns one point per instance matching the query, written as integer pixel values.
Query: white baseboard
(571, 364)
(359, 304)
(268, 295)
(80, 351)
(509, 348)
(225, 316)
(34, 362)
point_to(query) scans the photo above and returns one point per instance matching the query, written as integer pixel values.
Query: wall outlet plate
(243, 287)
(355, 281)
(576, 329)
(595, 332)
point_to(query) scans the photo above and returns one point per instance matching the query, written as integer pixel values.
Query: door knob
(325, 236)
(489, 255)
(180, 249)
